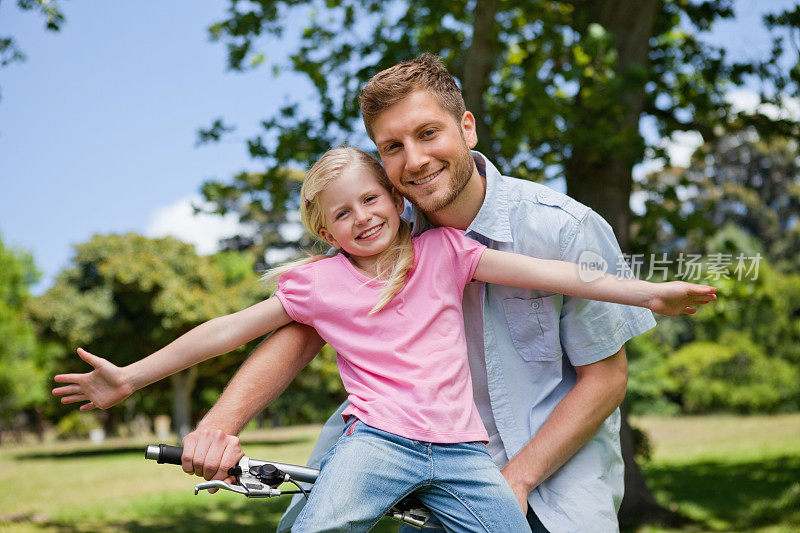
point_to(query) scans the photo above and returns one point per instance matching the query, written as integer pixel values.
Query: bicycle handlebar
(162, 453)
(260, 479)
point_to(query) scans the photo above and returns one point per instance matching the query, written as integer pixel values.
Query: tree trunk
(604, 183)
(108, 419)
(598, 185)
(40, 423)
(182, 386)
(638, 505)
(478, 64)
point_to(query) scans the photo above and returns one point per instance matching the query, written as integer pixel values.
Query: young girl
(391, 307)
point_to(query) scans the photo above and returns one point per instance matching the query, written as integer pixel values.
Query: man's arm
(213, 447)
(598, 391)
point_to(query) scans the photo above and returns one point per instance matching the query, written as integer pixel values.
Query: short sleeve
(296, 293)
(466, 252)
(591, 330)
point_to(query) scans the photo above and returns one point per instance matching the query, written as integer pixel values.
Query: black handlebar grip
(164, 454)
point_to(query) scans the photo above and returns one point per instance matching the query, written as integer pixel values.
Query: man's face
(425, 151)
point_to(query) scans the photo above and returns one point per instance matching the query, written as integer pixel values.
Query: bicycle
(260, 479)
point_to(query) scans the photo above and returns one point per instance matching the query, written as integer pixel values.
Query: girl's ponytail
(271, 276)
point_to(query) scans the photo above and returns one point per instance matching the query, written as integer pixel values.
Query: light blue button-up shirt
(524, 345)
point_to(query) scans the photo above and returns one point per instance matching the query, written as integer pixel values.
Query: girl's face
(361, 216)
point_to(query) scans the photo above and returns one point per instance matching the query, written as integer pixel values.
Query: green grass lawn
(111, 487)
(725, 473)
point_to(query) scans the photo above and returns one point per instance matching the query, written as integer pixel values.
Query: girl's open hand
(677, 297)
(103, 387)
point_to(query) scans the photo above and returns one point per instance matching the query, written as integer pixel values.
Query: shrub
(77, 424)
(732, 374)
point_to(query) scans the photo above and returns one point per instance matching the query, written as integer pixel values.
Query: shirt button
(535, 305)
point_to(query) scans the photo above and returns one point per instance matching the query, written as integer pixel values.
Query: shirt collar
(492, 219)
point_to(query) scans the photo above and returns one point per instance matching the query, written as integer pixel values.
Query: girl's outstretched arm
(671, 298)
(108, 384)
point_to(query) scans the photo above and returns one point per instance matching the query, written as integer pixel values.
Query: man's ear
(325, 234)
(468, 129)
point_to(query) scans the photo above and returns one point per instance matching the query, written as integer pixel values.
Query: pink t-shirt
(404, 368)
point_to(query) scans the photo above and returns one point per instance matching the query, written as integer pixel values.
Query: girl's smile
(371, 233)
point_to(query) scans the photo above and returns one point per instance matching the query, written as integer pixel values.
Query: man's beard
(460, 173)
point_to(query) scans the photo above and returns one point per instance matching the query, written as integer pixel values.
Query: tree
(739, 198)
(266, 203)
(127, 296)
(739, 179)
(10, 52)
(24, 380)
(754, 184)
(559, 90)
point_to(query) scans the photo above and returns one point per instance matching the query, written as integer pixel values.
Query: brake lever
(249, 482)
(252, 490)
(217, 484)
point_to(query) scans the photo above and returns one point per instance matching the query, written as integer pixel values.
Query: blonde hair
(425, 72)
(394, 263)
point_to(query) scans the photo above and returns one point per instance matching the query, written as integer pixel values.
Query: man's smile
(428, 178)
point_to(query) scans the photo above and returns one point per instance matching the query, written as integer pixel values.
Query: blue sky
(98, 126)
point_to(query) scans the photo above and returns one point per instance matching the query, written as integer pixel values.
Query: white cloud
(204, 231)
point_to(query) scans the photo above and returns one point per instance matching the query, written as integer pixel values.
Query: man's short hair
(425, 72)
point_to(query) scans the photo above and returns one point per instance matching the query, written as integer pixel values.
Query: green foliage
(128, 295)
(10, 52)
(313, 394)
(741, 353)
(24, 379)
(738, 198)
(742, 180)
(732, 374)
(125, 296)
(266, 203)
(767, 308)
(77, 424)
(236, 267)
(558, 88)
(648, 375)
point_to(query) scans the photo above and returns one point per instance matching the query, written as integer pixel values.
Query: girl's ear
(325, 234)
(399, 201)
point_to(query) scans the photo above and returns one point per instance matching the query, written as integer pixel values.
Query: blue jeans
(369, 470)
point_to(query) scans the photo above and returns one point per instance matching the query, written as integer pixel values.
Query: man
(548, 371)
